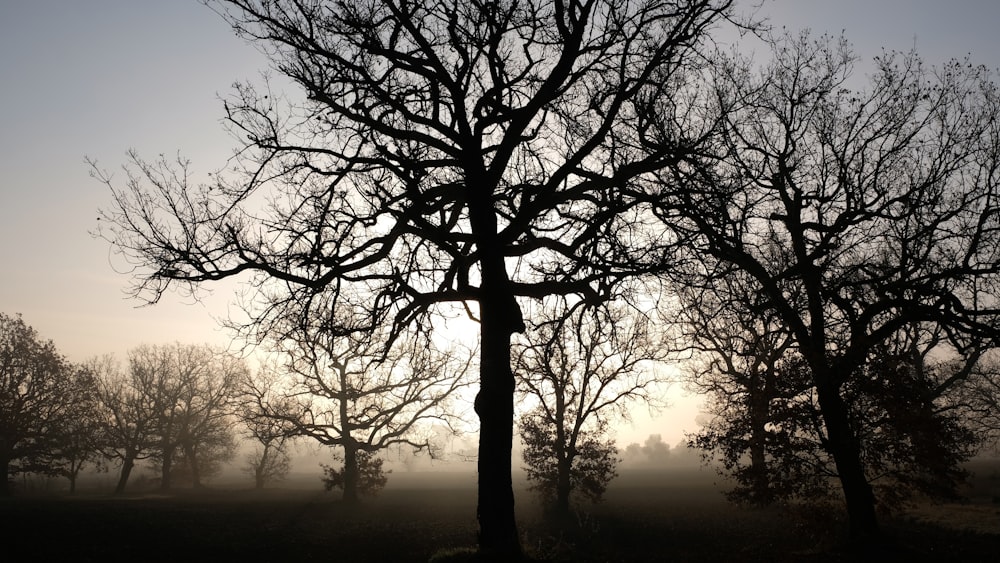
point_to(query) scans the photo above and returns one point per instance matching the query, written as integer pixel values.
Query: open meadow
(664, 515)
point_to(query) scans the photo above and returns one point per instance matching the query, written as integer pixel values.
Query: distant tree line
(171, 404)
(182, 408)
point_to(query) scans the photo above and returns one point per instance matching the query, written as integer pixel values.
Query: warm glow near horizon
(99, 77)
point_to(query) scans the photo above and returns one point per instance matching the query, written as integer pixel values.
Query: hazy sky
(98, 77)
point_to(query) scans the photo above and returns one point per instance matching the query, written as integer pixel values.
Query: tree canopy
(39, 393)
(854, 213)
(442, 152)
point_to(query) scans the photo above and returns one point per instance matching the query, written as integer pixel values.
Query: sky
(95, 78)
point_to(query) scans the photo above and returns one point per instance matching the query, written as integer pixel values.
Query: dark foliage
(40, 396)
(910, 445)
(591, 467)
(854, 214)
(371, 477)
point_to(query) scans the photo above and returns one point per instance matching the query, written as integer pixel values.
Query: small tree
(583, 367)
(768, 429)
(175, 406)
(259, 394)
(742, 363)
(591, 463)
(369, 476)
(77, 441)
(268, 463)
(977, 399)
(346, 389)
(208, 385)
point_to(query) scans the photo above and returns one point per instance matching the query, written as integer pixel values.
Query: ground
(677, 515)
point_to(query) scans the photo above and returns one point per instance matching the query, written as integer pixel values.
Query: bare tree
(445, 152)
(188, 390)
(259, 394)
(854, 213)
(978, 399)
(346, 390)
(128, 414)
(76, 442)
(208, 387)
(742, 363)
(584, 367)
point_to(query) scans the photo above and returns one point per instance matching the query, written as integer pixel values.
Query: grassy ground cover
(672, 516)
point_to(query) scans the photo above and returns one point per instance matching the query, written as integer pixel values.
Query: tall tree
(445, 152)
(854, 213)
(583, 368)
(37, 393)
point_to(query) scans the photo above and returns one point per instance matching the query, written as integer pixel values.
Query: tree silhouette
(366, 476)
(978, 399)
(345, 389)
(174, 405)
(76, 442)
(128, 414)
(269, 461)
(444, 152)
(583, 367)
(743, 364)
(208, 386)
(38, 390)
(558, 466)
(855, 214)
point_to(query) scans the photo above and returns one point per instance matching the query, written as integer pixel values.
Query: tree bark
(563, 486)
(167, 467)
(258, 473)
(127, 464)
(5, 490)
(350, 474)
(500, 317)
(759, 417)
(192, 460)
(844, 448)
(498, 534)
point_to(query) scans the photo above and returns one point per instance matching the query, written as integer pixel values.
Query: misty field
(673, 515)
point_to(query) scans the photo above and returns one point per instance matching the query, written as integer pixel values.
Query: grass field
(674, 516)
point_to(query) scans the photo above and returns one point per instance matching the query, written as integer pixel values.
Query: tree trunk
(500, 317)
(258, 472)
(128, 462)
(844, 448)
(167, 466)
(350, 475)
(563, 486)
(759, 417)
(5, 490)
(758, 465)
(498, 534)
(192, 460)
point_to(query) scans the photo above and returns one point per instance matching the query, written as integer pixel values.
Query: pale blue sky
(98, 77)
